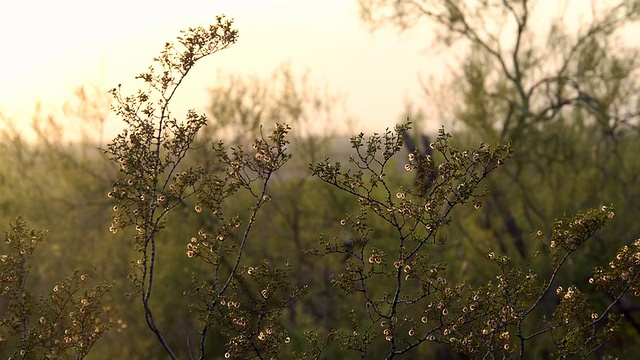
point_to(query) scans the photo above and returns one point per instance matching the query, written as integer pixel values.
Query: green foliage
(394, 277)
(64, 324)
(561, 90)
(397, 233)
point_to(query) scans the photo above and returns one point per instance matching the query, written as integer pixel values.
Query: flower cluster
(415, 217)
(69, 321)
(622, 275)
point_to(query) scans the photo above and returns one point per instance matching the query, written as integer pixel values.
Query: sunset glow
(52, 49)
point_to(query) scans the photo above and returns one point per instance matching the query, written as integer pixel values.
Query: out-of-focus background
(563, 90)
(50, 48)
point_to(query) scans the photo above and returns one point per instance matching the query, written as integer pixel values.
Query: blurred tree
(564, 90)
(247, 213)
(54, 174)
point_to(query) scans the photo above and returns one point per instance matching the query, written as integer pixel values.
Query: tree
(245, 301)
(64, 324)
(562, 91)
(400, 297)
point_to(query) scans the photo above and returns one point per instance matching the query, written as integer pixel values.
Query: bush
(397, 296)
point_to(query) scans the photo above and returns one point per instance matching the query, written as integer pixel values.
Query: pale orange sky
(49, 49)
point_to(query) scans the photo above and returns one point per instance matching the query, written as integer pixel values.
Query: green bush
(217, 234)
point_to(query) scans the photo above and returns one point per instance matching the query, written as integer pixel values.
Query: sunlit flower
(198, 208)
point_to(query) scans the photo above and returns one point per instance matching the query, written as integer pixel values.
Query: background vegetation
(330, 250)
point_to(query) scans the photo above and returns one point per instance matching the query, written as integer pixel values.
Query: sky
(50, 49)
